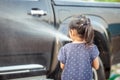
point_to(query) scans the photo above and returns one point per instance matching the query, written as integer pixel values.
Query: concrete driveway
(33, 78)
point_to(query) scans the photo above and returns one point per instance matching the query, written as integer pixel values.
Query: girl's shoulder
(67, 45)
(74, 45)
(70, 44)
(92, 47)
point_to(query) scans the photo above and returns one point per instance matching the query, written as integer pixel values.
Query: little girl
(78, 58)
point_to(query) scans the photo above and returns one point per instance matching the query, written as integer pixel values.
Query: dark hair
(83, 26)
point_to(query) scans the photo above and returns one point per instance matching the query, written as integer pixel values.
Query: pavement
(33, 78)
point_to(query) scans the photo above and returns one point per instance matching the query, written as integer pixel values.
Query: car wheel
(100, 73)
(57, 73)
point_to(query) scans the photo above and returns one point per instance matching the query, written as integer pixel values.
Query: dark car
(32, 31)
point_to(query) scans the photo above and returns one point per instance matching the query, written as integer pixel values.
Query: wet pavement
(33, 78)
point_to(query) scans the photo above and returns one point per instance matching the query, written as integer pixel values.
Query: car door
(25, 41)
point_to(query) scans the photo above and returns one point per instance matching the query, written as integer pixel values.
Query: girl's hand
(62, 66)
(95, 63)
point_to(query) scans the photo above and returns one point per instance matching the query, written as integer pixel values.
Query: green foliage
(108, 0)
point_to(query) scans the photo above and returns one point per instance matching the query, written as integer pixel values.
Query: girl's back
(77, 58)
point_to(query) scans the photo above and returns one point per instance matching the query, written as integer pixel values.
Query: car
(32, 32)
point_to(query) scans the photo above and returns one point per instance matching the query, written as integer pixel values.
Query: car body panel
(25, 38)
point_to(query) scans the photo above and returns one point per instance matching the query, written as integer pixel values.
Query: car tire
(100, 72)
(58, 71)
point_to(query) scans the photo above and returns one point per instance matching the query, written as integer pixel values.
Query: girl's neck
(78, 40)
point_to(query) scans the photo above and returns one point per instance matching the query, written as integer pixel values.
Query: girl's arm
(62, 66)
(95, 63)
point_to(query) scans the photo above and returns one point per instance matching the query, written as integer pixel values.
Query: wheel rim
(95, 76)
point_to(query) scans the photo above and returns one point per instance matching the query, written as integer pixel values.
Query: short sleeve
(94, 52)
(61, 55)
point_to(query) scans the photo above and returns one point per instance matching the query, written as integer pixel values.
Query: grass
(115, 72)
